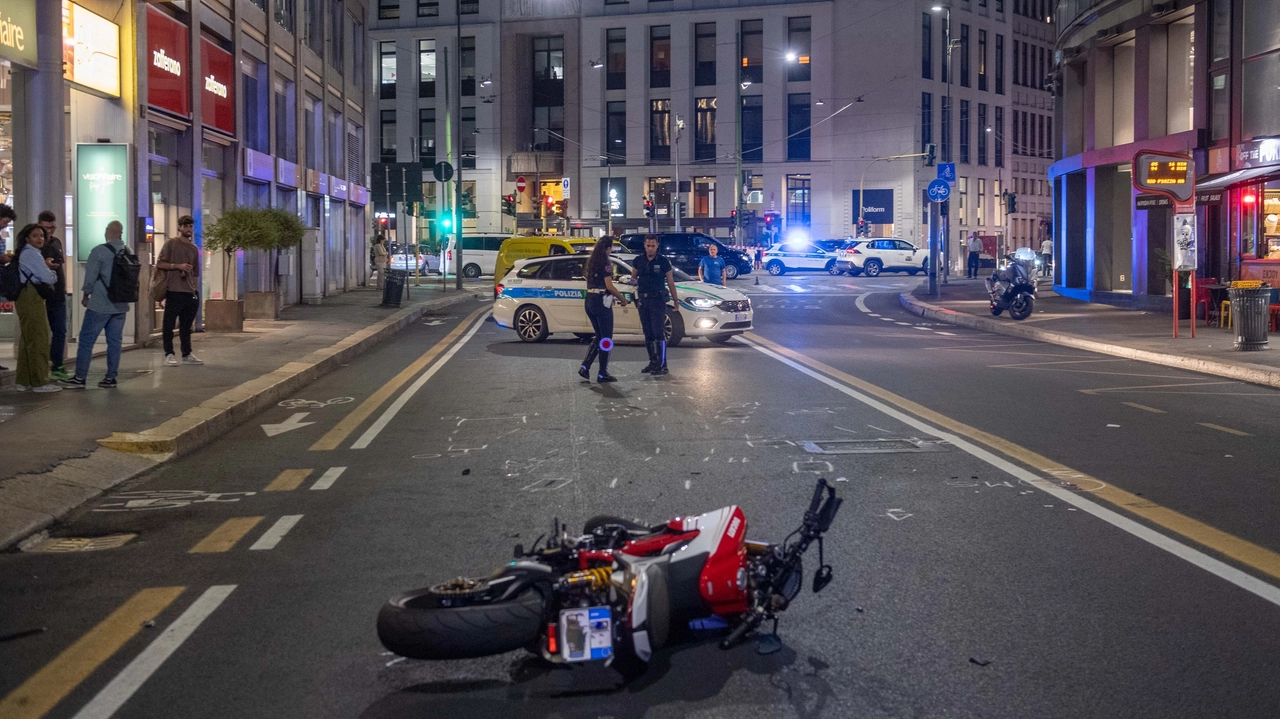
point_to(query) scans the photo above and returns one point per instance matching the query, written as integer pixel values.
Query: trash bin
(1250, 317)
(393, 288)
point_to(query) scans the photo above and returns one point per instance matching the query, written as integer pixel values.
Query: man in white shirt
(1046, 257)
(975, 256)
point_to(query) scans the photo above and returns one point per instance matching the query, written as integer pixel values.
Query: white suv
(880, 254)
(784, 256)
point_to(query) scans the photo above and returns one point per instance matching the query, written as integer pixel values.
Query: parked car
(881, 254)
(784, 257)
(686, 250)
(423, 263)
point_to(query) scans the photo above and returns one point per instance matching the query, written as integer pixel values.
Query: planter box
(261, 306)
(224, 315)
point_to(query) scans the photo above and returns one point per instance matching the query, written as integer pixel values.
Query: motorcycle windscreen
(586, 634)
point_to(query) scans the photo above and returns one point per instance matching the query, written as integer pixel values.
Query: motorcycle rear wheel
(422, 625)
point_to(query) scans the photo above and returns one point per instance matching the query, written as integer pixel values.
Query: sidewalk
(51, 445)
(1104, 329)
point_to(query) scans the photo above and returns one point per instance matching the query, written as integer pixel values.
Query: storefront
(1241, 212)
(17, 47)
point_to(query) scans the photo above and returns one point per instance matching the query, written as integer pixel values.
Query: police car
(545, 295)
(787, 256)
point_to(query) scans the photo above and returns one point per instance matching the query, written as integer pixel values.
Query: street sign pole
(934, 220)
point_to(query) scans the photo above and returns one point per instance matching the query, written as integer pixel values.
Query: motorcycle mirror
(822, 578)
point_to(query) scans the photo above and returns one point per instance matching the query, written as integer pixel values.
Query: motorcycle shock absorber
(597, 578)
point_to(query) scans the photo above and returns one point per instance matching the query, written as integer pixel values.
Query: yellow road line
(288, 480)
(1242, 551)
(44, 689)
(226, 535)
(1220, 428)
(1135, 405)
(343, 429)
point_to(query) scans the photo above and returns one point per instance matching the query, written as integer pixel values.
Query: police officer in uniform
(601, 294)
(654, 280)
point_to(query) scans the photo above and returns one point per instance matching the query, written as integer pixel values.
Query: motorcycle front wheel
(1021, 307)
(452, 621)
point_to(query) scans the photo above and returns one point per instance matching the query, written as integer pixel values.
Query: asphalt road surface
(1040, 532)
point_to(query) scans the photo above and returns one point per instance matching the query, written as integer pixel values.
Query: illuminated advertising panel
(168, 50)
(102, 194)
(217, 94)
(90, 50)
(18, 31)
(1172, 175)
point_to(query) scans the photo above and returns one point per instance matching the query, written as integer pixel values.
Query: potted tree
(289, 231)
(239, 228)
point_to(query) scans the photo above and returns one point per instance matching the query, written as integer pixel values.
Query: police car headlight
(702, 303)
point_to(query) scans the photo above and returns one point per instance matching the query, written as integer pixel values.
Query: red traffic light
(551, 201)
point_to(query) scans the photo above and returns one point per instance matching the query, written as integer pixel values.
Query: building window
(704, 130)
(257, 105)
(285, 12)
(1180, 102)
(979, 205)
(660, 131)
(467, 128)
(1220, 27)
(388, 9)
(387, 70)
(388, 135)
(1000, 6)
(616, 59)
(428, 8)
(469, 7)
(1016, 64)
(982, 59)
(704, 197)
(358, 55)
(660, 192)
(999, 64)
(1219, 107)
(337, 159)
(1048, 136)
(798, 126)
(548, 128)
(704, 53)
(427, 137)
(752, 51)
(660, 56)
(286, 120)
(964, 131)
(999, 133)
(337, 44)
(797, 201)
(467, 59)
(926, 120)
(926, 46)
(1026, 65)
(964, 56)
(426, 68)
(799, 48)
(355, 151)
(313, 127)
(315, 25)
(616, 133)
(752, 128)
(962, 189)
(548, 93)
(983, 131)
(945, 148)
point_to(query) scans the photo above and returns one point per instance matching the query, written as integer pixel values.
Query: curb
(1253, 374)
(31, 502)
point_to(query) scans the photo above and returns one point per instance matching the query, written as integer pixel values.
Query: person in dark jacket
(601, 294)
(655, 284)
(56, 306)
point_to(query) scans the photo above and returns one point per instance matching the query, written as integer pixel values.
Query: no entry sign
(520, 184)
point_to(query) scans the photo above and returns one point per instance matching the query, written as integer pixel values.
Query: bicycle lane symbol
(143, 500)
(313, 404)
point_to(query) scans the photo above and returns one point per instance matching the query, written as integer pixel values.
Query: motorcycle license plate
(740, 317)
(586, 634)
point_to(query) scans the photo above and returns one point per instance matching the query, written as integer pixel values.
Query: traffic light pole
(737, 148)
(457, 220)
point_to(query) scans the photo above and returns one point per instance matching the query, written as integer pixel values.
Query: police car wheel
(531, 324)
(731, 272)
(831, 268)
(913, 273)
(673, 328)
(776, 268)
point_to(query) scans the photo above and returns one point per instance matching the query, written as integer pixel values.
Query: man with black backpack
(110, 284)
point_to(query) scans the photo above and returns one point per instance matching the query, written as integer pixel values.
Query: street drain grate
(884, 445)
(82, 544)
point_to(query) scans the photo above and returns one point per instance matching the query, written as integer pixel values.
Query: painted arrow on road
(898, 514)
(433, 323)
(294, 422)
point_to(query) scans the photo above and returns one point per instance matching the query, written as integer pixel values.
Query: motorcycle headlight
(702, 303)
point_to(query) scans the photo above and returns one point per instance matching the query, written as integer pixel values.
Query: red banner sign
(168, 63)
(217, 97)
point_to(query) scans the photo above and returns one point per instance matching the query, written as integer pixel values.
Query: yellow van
(519, 248)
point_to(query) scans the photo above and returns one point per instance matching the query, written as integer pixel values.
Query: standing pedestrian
(380, 260)
(975, 256)
(180, 260)
(601, 294)
(711, 267)
(7, 217)
(1046, 257)
(55, 306)
(37, 277)
(654, 284)
(101, 313)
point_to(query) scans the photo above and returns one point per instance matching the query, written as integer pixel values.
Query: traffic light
(445, 221)
(1012, 203)
(930, 154)
(557, 209)
(509, 205)
(648, 207)
(733, 216)
(679, 209)
(864, 229)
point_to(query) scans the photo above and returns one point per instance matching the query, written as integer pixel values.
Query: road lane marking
(1220, 428)
(390, 413)
(44, 689)
(1148, 387)
(328, 478)
(1240, 550)
(288, 480)
(343, 429)
(949, 334)
(272, 536)
(926, 329)
(861, 302)
(887, 319)
(1135, 405)
(797, 288)
(226, 535)
(132, 677)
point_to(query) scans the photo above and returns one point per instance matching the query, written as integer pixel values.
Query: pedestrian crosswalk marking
(328, 478)
(288, 480)
(797, 288)
(272, 536)
(226, 535)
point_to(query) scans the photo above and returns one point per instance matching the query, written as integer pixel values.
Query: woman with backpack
(37, 279)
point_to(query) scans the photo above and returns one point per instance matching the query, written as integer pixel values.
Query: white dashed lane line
(272, 537)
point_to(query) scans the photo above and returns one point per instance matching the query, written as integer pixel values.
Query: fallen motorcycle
(1012, 288)
(615, 591)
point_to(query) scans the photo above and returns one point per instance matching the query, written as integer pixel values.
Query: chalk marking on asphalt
(688, 483)
(1220, 428)
(132, 677)
(1141, 387)
(343, 429)
(288, 480)
(614, 483)
(328, 478)
(1240, 550)
(1143, 407)
(226, 535)
(272, 536)
(43, 690)
(391, 412)
(861, 302)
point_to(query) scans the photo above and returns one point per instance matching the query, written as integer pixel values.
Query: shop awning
(1239, 177)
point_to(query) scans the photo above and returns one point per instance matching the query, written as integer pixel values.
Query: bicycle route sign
(939, 191)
